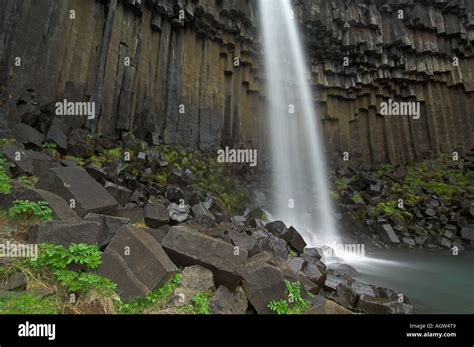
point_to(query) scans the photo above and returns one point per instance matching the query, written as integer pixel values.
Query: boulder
(274, 245)
(388, 234)
(467, 233)
(224, 302)
(186, 246)
(136, 262)
(182, 296)
(312, 255)
(129, 211)
(158, 234)
(56, 136)
(109, 224)
(446, 243)
(26, 134)
(65, 233)
(332, 282)
(197, 277)
(242, 240)
(119, 193)
(264, 280)
(346, 296)
(13, 281)
(279, 229)
(327, 307)
(203, 216)
(96, 172)
(315, 274)
(178, 213)
(296, 264)
(28, 162)
(75, 183)
(369, 304)
(156, 215)
(296, 242)
(361, 288)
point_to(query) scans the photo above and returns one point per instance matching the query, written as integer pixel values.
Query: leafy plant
(83, 281)
(56, 258)
(293, 304)
(156, 298)
(27, 181)
(201, 303)
(50, 145)
(28, 209)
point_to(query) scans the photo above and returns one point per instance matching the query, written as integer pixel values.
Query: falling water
(299, 172)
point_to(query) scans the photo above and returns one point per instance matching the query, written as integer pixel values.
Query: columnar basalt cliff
(366, 52)
(182, 83)
(194, 76)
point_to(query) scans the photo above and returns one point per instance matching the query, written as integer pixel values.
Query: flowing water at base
(434, 281)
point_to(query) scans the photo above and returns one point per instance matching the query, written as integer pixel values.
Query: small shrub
(28, 209)
(27, 181)
(201, 303)
(56, 258)
(156, 299)
(294, 304)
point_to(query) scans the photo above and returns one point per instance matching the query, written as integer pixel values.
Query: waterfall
(298, 165)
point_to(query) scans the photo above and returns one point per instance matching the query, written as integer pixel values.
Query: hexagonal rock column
(136, 262)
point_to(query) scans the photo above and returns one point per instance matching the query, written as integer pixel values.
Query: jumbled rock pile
(151, 220)
(429, 204)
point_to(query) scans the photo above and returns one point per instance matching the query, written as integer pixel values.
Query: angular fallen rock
(467, 233)
(264, 280)
(296, 241)
(242, 240)
(278, 228)
(186, 246)
(74, 183)
(225, 302)
(197, 277)
(136, 262)
(110, 225)
(178, 213)
(274, 245)
(13, 281)
(388, 234)
(65, 233)
(119, 193)
(156, 215)
(369, 304)
(26, 134)
(28, 162)
(203, 216)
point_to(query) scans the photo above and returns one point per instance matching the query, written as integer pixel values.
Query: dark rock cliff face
(403, 50)
(182, 84)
